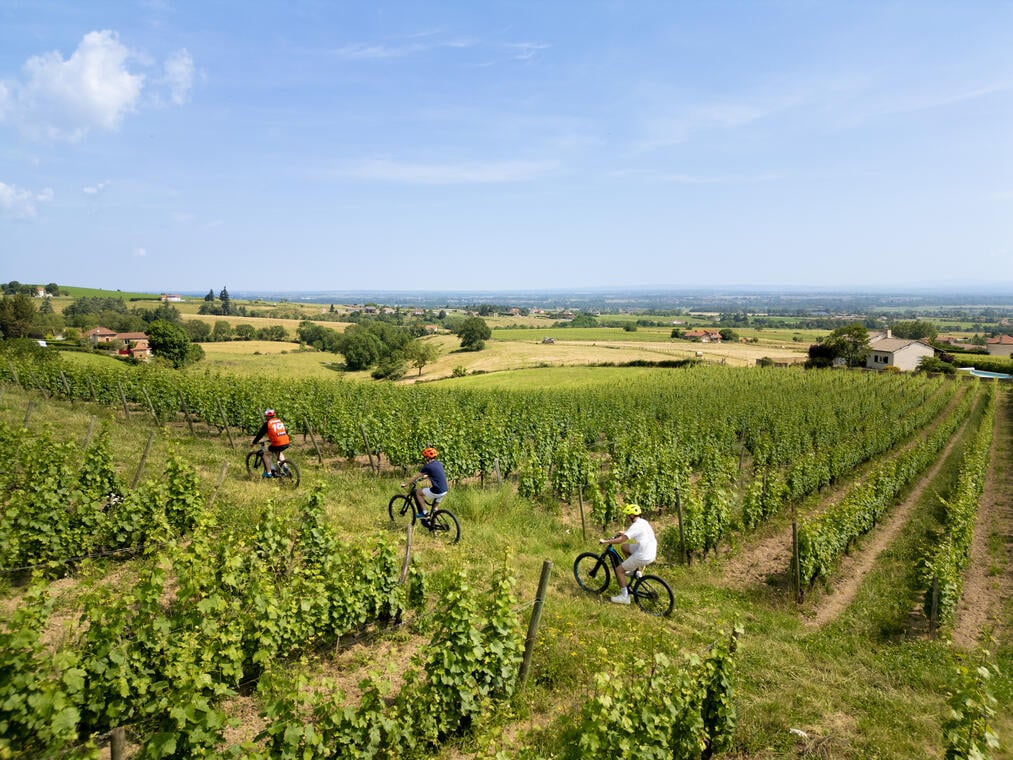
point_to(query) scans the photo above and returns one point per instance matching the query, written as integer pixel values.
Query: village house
(1000, 345)
(135, 345)
(703, 335)
(171, 298)
(903, 353)
(100, 335)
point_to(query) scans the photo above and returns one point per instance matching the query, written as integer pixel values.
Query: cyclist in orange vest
(275, 431)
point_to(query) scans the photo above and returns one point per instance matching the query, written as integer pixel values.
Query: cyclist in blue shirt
(437, 488)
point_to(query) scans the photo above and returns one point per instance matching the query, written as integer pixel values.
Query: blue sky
(310, 145)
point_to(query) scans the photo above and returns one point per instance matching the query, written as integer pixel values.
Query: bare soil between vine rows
(988, 585)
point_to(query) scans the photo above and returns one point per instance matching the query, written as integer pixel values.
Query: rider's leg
(420, 508)
(267, 460)
(628, 565)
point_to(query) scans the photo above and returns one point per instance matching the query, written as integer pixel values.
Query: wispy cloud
(94, 189)
(179, 76)
(448, 174)
(96, 88)
(361, 51)
(523, 51)
(16, 203)
(679, 125)
(139, 253)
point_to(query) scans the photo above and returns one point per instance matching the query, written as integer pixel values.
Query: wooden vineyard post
(144, 459)
(28, 413)
(316, 446)
(536, 617)
(934, 608)
(225, 422)
(14, 372)
(499, 475)
(186, 411)
(66, 387)
(117, 744)
(151, 406)
(91, 387)
(407, 555)
(91, 429)
(797, 576)
(682, 528)
(583, 525)
(123, 398)
(218, 485)
(369, 451)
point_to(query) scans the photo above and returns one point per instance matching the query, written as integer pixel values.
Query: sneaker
(621, 599)
(266, 475)
(422, 515)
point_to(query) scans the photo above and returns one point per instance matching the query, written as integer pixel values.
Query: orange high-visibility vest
(276, 432)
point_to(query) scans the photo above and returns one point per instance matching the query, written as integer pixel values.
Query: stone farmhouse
(902, 353)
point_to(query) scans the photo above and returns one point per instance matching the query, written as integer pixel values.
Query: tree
(728, 334)
(245, 331)
(170, 342)
(368, 343)
(222, 331)
(918, 329)
(850, 342)
(474, 332)
(420, 353)
(53, 289)
(226, 301)
(17, 313)
(210, 296)
(197, 330)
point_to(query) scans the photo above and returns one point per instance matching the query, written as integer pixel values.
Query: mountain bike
(285, 471)
(442, 523)
(593, 573)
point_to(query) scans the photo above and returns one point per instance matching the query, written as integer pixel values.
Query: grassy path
(987, 600)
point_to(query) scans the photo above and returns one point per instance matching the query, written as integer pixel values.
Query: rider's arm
(618, 538)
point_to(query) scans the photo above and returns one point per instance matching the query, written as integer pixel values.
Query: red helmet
(429, 453)
(269, 413)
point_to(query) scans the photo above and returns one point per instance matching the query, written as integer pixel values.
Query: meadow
(850, 672)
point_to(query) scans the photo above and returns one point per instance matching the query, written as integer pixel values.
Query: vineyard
(166, 600)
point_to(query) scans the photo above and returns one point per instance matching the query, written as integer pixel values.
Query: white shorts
(632, 564)
(436, 498)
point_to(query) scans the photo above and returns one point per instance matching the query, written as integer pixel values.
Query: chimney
(889, 334)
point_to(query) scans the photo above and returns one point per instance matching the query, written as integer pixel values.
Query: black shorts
(276, 449)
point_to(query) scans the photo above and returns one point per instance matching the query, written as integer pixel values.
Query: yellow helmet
(631, 509)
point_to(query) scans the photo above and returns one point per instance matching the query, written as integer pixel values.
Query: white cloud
(95, 189)
(139, 253)
(65, 99)
(179, 76)
(449, 174)
(16, 203)
(94, 89)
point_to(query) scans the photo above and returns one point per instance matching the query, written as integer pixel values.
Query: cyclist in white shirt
(639, 546)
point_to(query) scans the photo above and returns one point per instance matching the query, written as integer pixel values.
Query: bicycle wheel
(653, 595)
(592, 572)
(444, 526)
(401, 509)
(287, 474)
(254, 464)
